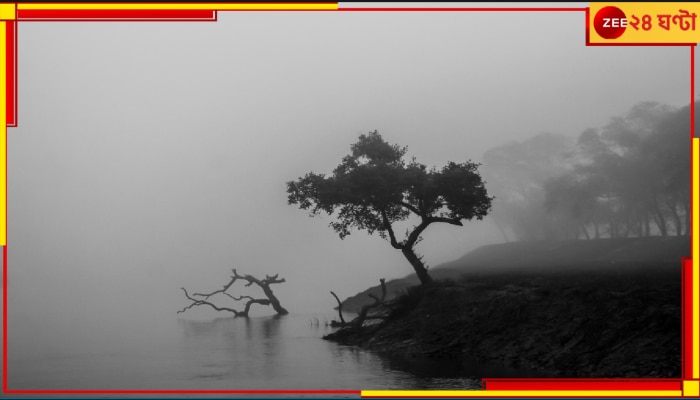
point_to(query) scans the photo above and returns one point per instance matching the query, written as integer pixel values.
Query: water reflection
(259, 353)
(262, 353)
(280, 353)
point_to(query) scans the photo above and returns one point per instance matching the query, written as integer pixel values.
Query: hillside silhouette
(580, 308)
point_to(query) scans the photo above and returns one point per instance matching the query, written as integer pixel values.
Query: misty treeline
(629, 178)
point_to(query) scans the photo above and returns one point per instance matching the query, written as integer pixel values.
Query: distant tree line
(628, 178)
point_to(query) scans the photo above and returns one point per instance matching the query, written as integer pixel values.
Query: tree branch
(223, 290)
(197, 302)
(340, 309)
(451, 221)
(265, 286)
(411, 208)
(250, 302)
(415, 235)
(357, 322)
(392, 236)
(269, 280)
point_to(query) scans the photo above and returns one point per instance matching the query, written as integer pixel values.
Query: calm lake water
(285, 353)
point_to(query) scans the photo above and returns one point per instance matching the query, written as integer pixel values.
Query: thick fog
(152, 156)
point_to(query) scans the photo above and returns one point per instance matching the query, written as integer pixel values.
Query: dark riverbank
(616, 313)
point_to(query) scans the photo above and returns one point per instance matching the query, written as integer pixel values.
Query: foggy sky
(151, 156)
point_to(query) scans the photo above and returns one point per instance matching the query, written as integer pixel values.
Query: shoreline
(598, 322)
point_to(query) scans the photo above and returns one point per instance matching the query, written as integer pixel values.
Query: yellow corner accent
(691, 388)
(7, 11)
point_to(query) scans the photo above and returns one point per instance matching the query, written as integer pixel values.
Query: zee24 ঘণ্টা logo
(611, 22)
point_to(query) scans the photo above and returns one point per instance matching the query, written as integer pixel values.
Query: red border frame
(211, 15)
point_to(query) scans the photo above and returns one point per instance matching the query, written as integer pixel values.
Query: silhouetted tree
(374, 187)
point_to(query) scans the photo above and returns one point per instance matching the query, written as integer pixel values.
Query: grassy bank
(602, 315)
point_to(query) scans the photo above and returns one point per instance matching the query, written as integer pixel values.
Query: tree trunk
(503, 232)
(611, 228)
(585, 231)
(647, 225)
(627, 228)
(678, 223)
(418, 265)
(672, 207)
(340, 312)
(677, 220)
(596, 229)
(686, 208)
(274, 302)
(660, 220)
(639, 225)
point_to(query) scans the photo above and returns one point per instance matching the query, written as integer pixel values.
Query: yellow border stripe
(696, 260)
(521, 393)
(177, 6)
(3, 135)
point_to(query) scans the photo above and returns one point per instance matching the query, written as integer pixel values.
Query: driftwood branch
(360, 319)
(356, 327)
(200, 302)
(340, 312)
(264, 284)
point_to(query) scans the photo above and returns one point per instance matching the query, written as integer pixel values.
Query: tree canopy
(630, 177)
(375, 187)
